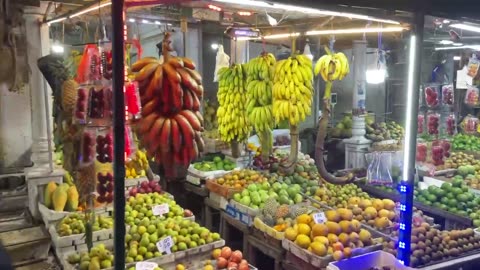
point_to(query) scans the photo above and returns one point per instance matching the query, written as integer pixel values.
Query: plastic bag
(84, 68)
(223, 60)
(473, 65)
(378, 172)
(471, 97)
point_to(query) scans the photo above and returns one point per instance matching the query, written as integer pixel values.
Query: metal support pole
(407, 184)
(118, 18)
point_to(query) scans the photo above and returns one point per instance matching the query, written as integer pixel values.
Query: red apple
(144, 185)
(133, 191)
(226, 252)
(148, 190)
(236, 256)
(221, 263)
(158, 189)
(152, 184)
(232, 266)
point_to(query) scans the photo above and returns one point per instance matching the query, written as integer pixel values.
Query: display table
(256, 244)
(226, 224)
(211, 208)
(470, 262)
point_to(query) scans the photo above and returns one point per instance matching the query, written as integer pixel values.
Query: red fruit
(100, 139)
(152, 184)
(133, 191)
(148, 190)
(221, 263)
(141, 191)
(187, 213)
(109, 138)
(101, 199)
(101, 179)
(82, 94)
(157, 189)
(110, 187)
(144, 185)
(236, 256)
(232, 266)
(243, 265)
(109, 177)
(226, 252)
(109, 197)
(101, 189)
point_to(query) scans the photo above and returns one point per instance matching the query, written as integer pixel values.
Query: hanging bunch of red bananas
(171, 91)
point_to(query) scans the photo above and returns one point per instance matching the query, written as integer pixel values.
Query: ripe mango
(59, 199)
(72, 198)
(47, 195)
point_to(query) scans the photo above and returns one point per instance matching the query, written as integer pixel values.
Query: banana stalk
(265, 139)
(320, 143)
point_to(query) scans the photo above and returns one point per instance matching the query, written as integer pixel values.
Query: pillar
(357, 145)
(38, 45)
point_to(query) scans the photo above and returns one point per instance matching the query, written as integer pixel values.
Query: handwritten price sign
(165, 245)
(319, 218)
(145, 265)
(161, 209)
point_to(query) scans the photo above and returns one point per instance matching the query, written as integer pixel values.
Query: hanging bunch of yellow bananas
(332, 66)
(259, 92)
(137, 166)
(232, 99)
(293, 89)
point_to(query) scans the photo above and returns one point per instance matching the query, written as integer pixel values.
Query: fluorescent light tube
(409, 108)
(354, 31)
(95, 7)
(467, 27)
(306, 10)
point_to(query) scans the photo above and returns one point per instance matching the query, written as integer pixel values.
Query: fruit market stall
(231, 146)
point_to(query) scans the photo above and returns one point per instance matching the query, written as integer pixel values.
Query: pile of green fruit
(217, 163)
(454, 197)
(75, 224)
(343, 129)
(384, 131)
(140, 207)
(210, 114)
(466, 142)
(141, 239)
(255, 195)
(98, 258)
(338, 196)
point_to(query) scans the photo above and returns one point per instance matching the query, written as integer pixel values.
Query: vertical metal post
(118, 18)
(407, 184)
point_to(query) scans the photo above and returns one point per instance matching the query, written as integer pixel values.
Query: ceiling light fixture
(355, 31)
(473, 47)
(457, 58)
(457, 44)
(214, 46)
(445, 42)
(467, 27)
(158, 23)
(145, 21)
(131, 20)
(245, 13)
(216, 8)
(79, 13)
(311, 11)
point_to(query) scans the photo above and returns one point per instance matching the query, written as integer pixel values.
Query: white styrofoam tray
(366, 261)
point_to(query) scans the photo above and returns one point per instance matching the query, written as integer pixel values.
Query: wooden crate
(78, 239)
(36, 183)
(52, 217)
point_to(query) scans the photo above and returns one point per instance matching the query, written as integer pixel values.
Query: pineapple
(271, 206)
(282, 211)
(69, 93)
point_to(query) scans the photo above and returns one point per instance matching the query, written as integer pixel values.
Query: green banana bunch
(293, 89)
(332, 66)
(232, 99)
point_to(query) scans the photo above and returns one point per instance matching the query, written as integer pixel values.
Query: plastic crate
(364, 262)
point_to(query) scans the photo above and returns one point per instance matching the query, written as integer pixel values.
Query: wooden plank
(17, 237)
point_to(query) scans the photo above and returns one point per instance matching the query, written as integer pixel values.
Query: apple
(133, 191)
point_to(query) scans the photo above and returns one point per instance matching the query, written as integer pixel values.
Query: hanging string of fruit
(331, 67)
(259, 96)
(292, 97)
(171, 123)
(233, 124)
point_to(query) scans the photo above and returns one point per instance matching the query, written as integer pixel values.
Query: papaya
(72, 198)
(47, 195)
(59, 198)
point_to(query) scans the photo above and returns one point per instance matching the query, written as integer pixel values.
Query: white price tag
(165, 245)
(145, 265)
(160, 209)
(319, 217)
